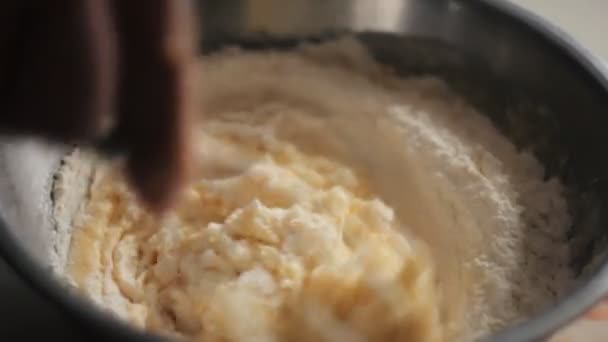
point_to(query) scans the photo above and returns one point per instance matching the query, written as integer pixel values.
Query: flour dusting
(495, 229)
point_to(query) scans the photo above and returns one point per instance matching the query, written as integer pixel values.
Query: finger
(155, 95)
(599, 312)
(58, 70)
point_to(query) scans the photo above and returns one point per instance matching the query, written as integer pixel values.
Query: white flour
(496, 229)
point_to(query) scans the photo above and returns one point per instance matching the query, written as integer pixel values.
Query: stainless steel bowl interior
(542, 91)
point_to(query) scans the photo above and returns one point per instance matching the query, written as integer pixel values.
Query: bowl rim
(84, 313)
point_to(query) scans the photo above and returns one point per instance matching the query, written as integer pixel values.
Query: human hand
(111, 74)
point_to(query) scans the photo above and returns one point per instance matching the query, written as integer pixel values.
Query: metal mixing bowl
(542, 90)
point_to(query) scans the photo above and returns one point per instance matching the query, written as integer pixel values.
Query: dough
(290, 247)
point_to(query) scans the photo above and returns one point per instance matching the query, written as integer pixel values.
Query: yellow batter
(289, 247)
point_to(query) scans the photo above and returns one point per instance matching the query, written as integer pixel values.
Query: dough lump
(290, 247)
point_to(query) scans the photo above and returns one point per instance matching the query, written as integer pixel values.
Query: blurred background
(24, 313)
(582, 19)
